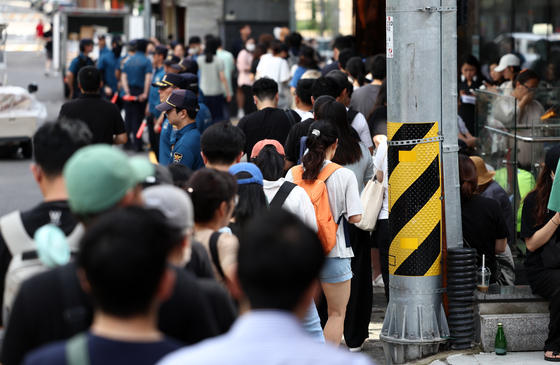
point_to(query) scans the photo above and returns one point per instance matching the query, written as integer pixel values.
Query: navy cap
(191, 80)
(188, 65)
(161, 50)
(141, 45)
(183, 99)
(172, 60)
(251, 168)
(86, 42)
(172, 80)
(117, 40)
(173, 44)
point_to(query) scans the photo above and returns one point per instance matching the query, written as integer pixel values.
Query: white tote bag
(372, 201)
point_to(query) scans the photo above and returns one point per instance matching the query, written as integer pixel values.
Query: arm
(226, 88)
(288, 164)
(355, 219)
(70, 82)
(147, 84)
(468, 139)
(124, 83)
(120, 138)
(543, 235)
(158, 123)
(500, 245)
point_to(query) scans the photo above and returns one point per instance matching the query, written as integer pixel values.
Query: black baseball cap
(191, 80)
(188, 65)
(172, 60)
(161, 50)
(172, 80)
(183, 99)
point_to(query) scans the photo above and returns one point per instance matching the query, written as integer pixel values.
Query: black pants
(133, 119)
(381, 239)
(549, 288)
(358, 310)
(154, 137)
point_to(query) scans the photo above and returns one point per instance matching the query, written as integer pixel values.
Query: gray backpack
(25, 262)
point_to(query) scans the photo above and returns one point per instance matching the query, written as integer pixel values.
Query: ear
(297, 99)
(82, 278)
(276, 98)
(256, 100)
(36, 171)
(239, 157)
(312, 100)
(166, 285)
(204, 159)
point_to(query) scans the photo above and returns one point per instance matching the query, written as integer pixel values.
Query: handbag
(372, 201)
(551, 253)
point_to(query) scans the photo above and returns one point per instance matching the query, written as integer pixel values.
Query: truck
(72, 24)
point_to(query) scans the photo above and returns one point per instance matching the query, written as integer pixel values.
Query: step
(523, 331)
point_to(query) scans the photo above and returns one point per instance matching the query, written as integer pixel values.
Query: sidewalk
(512, 358)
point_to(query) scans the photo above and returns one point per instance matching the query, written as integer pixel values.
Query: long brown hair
(468, 177)
(542, 194)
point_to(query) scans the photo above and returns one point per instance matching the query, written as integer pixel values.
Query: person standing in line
(102, 44)
(181, 108)
(86, 46)
(47, 39)
(152, 114)
(240, 43)
(108, 64)
(275, 67)
(229, 66)
(364, 98)
(244, 95)
(102, 117)
(39, 33)
(135, 79)
(212, 79)
(127, 290)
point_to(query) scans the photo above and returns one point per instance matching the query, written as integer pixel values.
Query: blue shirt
(153, 96)
(103, 51)
(75, 64)
(298, 73)
(136, 69)
(107, 64)
(203, 118)
(167, 130)
(186, 149)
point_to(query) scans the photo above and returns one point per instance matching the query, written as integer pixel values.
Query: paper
(389, 40)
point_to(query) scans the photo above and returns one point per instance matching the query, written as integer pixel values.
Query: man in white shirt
(271, 332)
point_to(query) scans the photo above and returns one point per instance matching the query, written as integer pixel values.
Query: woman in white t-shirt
(344, 201)
(380, 236)
(275, 67)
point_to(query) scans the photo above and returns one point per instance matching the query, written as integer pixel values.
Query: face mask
(194, 50)
(251, 47)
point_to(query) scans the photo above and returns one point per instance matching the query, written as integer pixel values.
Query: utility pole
(147, 13)
(422, 132)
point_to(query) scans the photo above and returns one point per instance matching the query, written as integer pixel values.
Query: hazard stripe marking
(422, 259)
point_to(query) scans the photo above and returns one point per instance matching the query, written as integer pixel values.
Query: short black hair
(222, 143)
(265, 89)
(304, 90)
(320, 101)
(55, 142)
(271, 163)
(218, 41)
(346, 55)
(326, 86)
(252, 201)
(89, 79)
(378, 67)
(194, 39)
(272, 242)
(124, 255)
(208, 188)
(181, 174)
(343, 42)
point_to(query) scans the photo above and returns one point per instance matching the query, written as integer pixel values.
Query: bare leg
(337, 298)
(240, 96)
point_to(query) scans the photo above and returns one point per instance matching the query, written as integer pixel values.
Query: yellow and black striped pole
(414, 199)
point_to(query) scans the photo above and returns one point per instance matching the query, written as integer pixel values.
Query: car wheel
(27, 149)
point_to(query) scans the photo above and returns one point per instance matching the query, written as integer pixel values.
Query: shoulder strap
(351, 115)
(14, 234)
(75, 236)
(290, 117)
(77, 352)
(214, 252)
(282, 194)
(328, 171)
(297, 172)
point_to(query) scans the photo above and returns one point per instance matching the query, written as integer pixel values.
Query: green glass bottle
(500, 344)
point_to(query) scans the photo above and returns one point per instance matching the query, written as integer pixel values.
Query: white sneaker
(240, 113)
(378, 281)
(355, 349)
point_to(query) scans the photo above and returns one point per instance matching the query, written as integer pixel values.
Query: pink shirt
(244, 61)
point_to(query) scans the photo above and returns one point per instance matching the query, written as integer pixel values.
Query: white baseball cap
(507, 60)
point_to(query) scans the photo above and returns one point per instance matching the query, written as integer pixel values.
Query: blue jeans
(312, 323)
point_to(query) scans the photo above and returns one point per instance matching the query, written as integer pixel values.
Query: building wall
(259, 10)
(202, 17)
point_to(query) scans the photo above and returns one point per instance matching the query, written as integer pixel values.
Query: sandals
(554, 359)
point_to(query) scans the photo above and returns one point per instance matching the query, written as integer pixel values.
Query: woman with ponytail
(484, 225)
(344, 202)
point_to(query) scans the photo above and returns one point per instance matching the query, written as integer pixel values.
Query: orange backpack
(317, 191)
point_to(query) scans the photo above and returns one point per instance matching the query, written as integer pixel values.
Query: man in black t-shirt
(127, 291)
(268, 122)
(102, 117)
(53, 144)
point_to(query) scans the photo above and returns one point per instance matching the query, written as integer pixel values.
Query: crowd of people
(237, 241)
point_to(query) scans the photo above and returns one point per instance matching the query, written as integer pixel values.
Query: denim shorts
(335, 270)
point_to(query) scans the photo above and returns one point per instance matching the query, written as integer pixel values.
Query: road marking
(22, 47)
